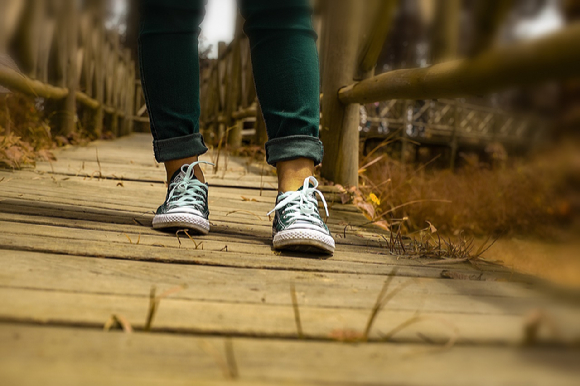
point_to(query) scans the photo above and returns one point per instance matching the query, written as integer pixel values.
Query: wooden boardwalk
(77, 253)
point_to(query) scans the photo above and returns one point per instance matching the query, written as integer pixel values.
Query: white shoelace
(190, 190)
(302, 204)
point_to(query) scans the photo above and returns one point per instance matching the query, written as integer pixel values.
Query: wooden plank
(215, 241)
(359, 264)
(33, 270)
(180, 315)
(220, 234)
(66, 356)
(244, 227)
(92, 310)
(237, 209)
(143, 191)
(229, 210)
(155, 175)
(148, 196)
(138, 225)
(102, 244)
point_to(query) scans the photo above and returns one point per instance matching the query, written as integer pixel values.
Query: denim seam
(145, 93)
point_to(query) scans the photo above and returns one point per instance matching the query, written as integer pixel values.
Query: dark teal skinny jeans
(285, 65)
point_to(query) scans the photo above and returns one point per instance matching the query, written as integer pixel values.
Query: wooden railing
(350, 51)
(488, 69)
(66, 56)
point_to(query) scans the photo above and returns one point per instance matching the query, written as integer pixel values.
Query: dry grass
(428, 243)
(533, 197)
(25, 133)
(154, 301)
(296, 311)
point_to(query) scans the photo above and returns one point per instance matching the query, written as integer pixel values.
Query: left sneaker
(297, 223)
(186, 202)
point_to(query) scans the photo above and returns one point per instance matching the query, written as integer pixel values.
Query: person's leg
(169, 64)
(286, 72)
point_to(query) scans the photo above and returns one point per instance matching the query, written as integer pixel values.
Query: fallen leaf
(431, 227)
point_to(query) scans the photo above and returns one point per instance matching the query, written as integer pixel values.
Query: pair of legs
(286, 72)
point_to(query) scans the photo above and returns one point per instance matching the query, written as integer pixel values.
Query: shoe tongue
(310, 185)
(178, 176)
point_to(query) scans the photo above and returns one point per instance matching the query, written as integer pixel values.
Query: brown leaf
(431, 227)
(368, 209)
(345, 198)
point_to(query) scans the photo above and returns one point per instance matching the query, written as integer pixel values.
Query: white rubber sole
(304, 240)
(183, 221)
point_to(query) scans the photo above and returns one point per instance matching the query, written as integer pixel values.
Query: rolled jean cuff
(179, 147)
(292, 147)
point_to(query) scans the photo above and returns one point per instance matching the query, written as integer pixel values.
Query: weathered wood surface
(88, 357)
(76, 248)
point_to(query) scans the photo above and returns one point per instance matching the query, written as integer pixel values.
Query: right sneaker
(185, 205)
(297, 223)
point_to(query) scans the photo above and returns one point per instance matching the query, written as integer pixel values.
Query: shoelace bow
(302, 204)
(189, 191)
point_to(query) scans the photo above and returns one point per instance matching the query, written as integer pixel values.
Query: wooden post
(127, 82)
(489, 15)
(247, 78)
(249, 93)
(407, 120)
(456, 127)
(323, 40)
(114, 60)
(235, 132)
(28, 36)
(45, 44)
(131, 96)
(377, 35)
(220, 90)
(64, 115)
(10, 11)
(100, 63)
(445, 44)
(340, 122)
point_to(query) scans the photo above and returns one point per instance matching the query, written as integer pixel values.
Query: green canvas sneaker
(185, 206)
(297, 223)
